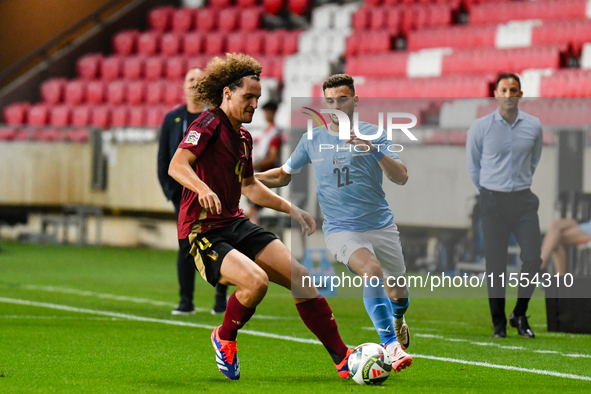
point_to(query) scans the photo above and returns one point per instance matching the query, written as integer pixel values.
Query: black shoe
(500, 332)
(220, 305)
(184, 309)
(523, 328)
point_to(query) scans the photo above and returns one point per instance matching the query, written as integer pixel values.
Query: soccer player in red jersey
(214, 164)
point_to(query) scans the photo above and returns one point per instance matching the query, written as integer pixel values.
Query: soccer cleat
(402, 334)
(343, 367)
(400, 360)
(225, 355)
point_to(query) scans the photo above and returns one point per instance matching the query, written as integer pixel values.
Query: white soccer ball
(370, 364)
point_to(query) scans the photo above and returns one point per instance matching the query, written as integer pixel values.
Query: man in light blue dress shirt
(503, 150)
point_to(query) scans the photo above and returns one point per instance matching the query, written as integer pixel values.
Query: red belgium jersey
(221, 164)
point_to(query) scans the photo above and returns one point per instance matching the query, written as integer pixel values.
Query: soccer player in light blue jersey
(359, 226)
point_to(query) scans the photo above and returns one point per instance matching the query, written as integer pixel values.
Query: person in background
(503, 150)
(173, 129)
(267, 151)
(562, 232)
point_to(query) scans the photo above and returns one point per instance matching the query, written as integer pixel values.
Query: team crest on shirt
(192, 137)
(344, 250)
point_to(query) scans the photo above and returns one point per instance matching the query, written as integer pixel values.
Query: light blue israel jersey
(348, 181)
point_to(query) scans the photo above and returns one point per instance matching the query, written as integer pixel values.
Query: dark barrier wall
(25, 25)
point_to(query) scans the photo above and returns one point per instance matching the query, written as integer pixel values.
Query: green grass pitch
(97, 320)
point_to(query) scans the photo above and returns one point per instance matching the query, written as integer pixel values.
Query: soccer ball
(369, 364)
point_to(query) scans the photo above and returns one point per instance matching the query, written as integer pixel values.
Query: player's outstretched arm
(276, 177)
(180, 169)
(258, 193)
(394, 170)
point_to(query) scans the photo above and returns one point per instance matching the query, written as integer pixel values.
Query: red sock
(237, 315)
(317, 316)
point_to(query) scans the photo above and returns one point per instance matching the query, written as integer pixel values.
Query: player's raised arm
(275, 177)
(258, 193)
(180, 169)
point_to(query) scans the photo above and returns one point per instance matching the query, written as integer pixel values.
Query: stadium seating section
(401, 48)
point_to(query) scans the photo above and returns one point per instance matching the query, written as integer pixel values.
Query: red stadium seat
(298, 7)
(197, 61)
(360, 19)
(246, 3)
(88, 66)
(254, 43)
(154, 92)
(52, 90)
(170, 44)
(440, 15)
(155, 116)
(193, 44)
(81, 116)
(206, 19)
(110, 68)
(215, 43)
(119, 116)
(387, 64)
(154, 68)
(220, 3)
(21, 135)
(273, 7)
(377, 17)
(176, 68)
(136, 92)
(290, 42)
(183, 20)
(38, 115)
(16, 114)
(147, 43)
(160, 18)
(235, 42)
(60, 115)
(137, 116)
(250, 18)
(75, 92)
(173, 93)
(48, 135)
(78, 135)
(101, 117)
(124, 42)
(133, 67)
(116, 92)
(228, 19)
(373, 2)
(95, 92)
(273, 42)
(7, 133)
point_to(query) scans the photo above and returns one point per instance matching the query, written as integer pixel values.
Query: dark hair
(229, 72)
(507, 76)
(334, 81)
(270, 106)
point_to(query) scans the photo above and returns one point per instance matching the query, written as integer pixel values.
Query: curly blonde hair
(220, 73)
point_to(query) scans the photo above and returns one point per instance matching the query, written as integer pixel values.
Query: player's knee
(258, 284)
(299, 271)
(373, 268)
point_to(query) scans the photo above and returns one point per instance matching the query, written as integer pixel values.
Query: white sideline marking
(84, 293)
(507, 367)
(275, 336)
(501, 346)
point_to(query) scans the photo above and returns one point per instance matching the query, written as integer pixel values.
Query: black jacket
(170, 137)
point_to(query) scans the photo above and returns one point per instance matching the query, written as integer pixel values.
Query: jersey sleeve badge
(192, 137)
